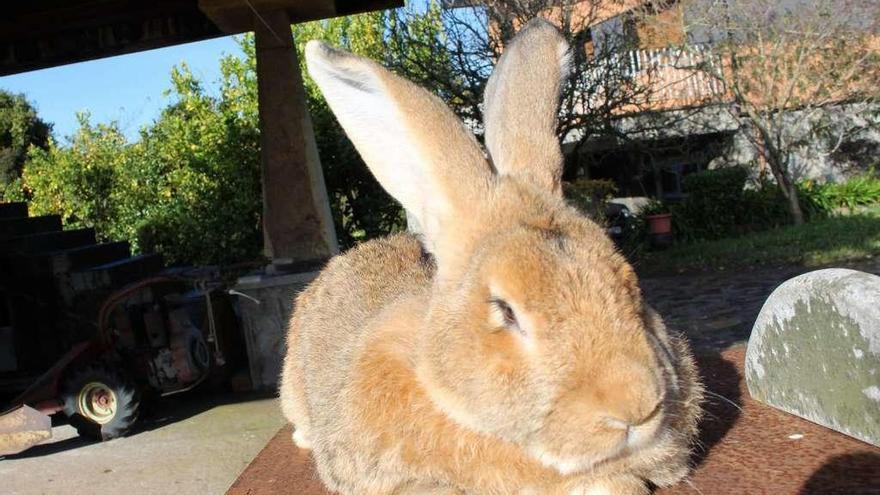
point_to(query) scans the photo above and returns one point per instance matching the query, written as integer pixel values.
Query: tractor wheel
(100, 402)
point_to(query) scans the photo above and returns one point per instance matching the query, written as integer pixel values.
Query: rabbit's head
(535, 330)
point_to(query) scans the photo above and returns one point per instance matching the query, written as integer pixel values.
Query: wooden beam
(297, 225)
(236, 16)
(41, 34)
(38, 34)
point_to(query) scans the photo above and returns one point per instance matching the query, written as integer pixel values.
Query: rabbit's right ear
(415, 146)
(521, 106)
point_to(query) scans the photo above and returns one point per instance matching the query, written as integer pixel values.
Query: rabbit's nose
(637, 432)
(619, 423)
(616, 424)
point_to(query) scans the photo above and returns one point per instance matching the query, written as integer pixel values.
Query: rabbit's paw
(301, 440)
(624, 485)
(425, 489)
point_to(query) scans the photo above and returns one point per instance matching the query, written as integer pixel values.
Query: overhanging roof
(37, 34)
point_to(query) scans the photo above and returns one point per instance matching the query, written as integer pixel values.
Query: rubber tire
(127, 401)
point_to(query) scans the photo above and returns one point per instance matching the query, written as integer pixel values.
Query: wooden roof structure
(37, 34)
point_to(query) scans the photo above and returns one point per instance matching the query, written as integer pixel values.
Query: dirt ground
(190, 444)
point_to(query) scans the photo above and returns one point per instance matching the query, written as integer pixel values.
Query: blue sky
(127, 88)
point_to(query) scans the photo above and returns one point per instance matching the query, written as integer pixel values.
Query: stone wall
(832, 155)
(824, 156)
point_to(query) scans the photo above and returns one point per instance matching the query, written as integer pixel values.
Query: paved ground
(717, 310)
(194, 444)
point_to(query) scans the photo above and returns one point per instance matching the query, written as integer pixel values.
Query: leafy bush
(714, 199)
(824, 199)
(654, 207)
(763, 207)
(590, 195)
(194, 194)
(78, 182)
(715, 209)
(634, 240)
(189, 189)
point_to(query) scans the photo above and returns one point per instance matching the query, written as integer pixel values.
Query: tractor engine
(166, 334)
(185, 359)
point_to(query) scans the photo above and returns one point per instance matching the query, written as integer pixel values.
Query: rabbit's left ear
(521, 106)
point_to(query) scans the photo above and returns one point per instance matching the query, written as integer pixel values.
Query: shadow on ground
(837, 476)
(723, 402)
(155, 414)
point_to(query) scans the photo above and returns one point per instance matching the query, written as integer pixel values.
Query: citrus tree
(189, 186)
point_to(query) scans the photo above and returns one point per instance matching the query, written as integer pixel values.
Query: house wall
(678, 89)
(831, 156)
(712, 137)
(682, 96)
(666, 28)
(649, 43)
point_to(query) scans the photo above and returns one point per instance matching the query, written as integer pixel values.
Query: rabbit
(506, 349)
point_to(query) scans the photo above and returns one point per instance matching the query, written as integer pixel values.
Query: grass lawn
(818, 243)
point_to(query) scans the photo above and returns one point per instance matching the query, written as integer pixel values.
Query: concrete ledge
(815, 351)
(266, 303)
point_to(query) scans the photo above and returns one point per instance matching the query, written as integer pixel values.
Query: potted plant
(659, 220)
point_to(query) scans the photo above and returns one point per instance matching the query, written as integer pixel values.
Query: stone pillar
(297, 225)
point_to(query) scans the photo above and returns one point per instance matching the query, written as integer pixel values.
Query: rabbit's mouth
(578, 464)
(636, 439)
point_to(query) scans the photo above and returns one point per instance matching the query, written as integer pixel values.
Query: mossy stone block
(815, 351)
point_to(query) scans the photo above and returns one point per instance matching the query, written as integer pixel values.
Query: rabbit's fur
(507, 350)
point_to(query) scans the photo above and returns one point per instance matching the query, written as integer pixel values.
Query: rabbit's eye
(506, 313)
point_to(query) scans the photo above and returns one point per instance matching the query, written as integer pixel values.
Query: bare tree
(604, 85)
(801, 73)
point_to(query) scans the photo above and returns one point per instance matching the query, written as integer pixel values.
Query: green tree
(194, 194)
(78, 181)
(188, 189)
(20, 128)
(189, 186)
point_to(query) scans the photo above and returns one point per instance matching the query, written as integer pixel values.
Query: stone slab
(21, 428)
(815, 351)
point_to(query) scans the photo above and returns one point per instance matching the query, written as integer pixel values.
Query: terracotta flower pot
(660, 224)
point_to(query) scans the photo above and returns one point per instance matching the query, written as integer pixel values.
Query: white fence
(677, 76)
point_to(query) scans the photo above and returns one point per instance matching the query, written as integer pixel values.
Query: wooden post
(297, 224)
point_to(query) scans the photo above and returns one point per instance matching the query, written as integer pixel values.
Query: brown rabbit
(509, 349)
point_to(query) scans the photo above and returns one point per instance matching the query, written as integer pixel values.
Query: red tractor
(90, 331)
